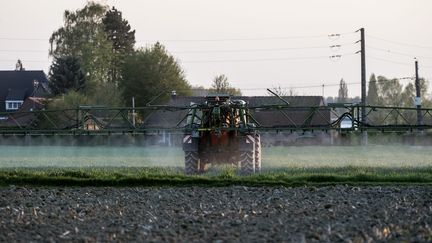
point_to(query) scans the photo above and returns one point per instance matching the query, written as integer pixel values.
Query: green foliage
(69, 100)
(107, 94)
(390, 91)
(80, 27)
(100, 40)
(63, 114)
(66, 74)
(83, 36)
(222, 86)
(152, 72)
(119, 32)
(145, 176)
(122, 38)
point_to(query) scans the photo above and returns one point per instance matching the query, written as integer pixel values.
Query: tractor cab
(217, 99)
(218, 133)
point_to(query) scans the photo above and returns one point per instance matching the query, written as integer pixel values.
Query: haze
(234, 37)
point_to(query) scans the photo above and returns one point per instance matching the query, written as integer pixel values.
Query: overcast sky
(257, 44)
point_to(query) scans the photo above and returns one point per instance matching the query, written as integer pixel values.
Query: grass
(158, 166)
(150, 176)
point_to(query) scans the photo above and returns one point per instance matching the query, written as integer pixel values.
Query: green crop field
(273, 157)
(104, 165)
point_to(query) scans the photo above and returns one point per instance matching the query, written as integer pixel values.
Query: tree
(372, 96)
(152, 72)
(222, 86)
(83, 36)
(390, 91)
(119, 31)
(66, 74)
(122, 37)
(343, 92)
(107, 94)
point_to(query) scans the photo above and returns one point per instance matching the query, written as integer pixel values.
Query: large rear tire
(257, 153)
(191, 163)
(247, 162)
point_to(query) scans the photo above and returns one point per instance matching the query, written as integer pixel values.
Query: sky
(256, 44)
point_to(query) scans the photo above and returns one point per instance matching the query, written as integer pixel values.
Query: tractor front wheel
(191, 163)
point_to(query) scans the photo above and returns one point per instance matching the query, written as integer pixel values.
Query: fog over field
(391, 156)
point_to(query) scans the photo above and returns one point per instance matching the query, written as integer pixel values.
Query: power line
(22, 39)
(263, 50)
(268, 59)
(336, 35)
(400, 43)
(400, 63)
(230, 60)
(397, 53)
(224, 50)
(390, 61)
(36, 51)
(331, 84)
(23, 60)
(332, 36)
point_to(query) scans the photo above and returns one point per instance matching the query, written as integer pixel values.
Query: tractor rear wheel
(257, 153)
(247, 162)
(191, 163)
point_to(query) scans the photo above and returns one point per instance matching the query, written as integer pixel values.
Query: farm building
(288, 118)
(21, 90)
(17, 86)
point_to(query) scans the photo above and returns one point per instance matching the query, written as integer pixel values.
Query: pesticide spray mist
(280, 150)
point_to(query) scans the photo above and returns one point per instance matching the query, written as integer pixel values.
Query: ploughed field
(217, 214)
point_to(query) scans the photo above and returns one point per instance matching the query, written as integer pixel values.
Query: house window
(13, 104)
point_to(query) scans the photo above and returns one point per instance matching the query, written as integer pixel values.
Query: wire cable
(24, 51)
(399, 43)
(208, 40)
(400, 63)
(262, 50)
(267, 59)
(398, 53)
(253, 38)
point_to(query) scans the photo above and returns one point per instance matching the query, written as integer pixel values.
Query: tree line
(95, 62)
(383, 91)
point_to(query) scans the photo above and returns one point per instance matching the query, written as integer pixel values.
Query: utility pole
(133, 111)
(363, 84)
(417, 100)
(363, 75)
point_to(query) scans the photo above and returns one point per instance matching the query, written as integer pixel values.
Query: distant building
(17, 86)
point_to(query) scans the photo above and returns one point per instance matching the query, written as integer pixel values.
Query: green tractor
(220, 130)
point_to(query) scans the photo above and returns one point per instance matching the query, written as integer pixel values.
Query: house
(17, 86)
(299, 114)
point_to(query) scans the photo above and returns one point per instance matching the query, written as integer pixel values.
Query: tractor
(221, 131)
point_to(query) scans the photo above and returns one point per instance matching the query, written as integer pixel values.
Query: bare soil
(217, 214)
